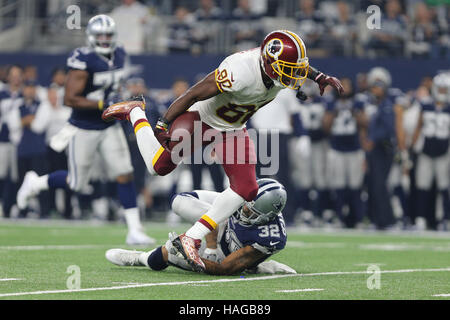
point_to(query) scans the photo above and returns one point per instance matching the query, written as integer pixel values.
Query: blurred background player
(11, 99)
(345, 162)
(95, 74)
(313, 183)
(382, 138)
(32, 148)
(433, 160)
(243, 242)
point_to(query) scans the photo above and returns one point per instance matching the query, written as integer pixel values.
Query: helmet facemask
(101, 34)
(248, 215)
(103, 43)
(291, 75)
(441, 88)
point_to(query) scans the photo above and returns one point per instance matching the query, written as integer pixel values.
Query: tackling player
(96, 72)
(222, 103)
(251, 235)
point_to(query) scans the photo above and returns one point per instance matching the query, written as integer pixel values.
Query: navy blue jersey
(105, 77)
(381, 117)
(7, 103)
(31, 143)
(344, 131)
(435, 129)
(268, 238)
(316, 109)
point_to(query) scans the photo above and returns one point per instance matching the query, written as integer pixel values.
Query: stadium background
(171, 41)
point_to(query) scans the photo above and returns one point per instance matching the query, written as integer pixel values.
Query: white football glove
(273, 267)
(175, 258)
(303, 146)
(214, 255)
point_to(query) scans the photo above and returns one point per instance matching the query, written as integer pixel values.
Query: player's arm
(75, 84)
(202, 90)
(236, 262)
(327, 121)
(27, 120)
(399, 130)
(362, 123)
(417, 130)
(324, 80)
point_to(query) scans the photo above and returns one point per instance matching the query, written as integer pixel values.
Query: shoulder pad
(79, 58)
(233, 75)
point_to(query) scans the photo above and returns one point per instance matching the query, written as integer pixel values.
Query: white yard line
(366, 264)
(10, 279)
(298, 290)
(60, 247)
(442, 295)
(215, 281)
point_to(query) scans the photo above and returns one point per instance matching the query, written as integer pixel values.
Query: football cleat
(123, 257)
(121, 110)
(27, 189)
(189, 247)
(139, 238)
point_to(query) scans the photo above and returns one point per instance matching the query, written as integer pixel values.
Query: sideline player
(222, 102)
(345, 160)
(433, 160)
(251, 235)
(96, 72)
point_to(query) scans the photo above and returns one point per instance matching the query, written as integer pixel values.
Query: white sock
(132, 218)
(42, 183)
(224, 205)
(149, 146)
(143, 257)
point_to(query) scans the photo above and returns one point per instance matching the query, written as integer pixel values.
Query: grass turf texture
(39, 253)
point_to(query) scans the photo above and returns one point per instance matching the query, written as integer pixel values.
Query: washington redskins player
(223, 102)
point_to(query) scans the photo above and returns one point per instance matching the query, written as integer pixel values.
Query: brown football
(185, 122)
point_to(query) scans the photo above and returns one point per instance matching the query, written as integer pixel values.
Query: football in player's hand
(182, 127)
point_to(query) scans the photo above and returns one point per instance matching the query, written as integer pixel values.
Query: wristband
(162, 124)
(100, 105)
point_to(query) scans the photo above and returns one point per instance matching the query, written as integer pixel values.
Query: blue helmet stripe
(268, 189)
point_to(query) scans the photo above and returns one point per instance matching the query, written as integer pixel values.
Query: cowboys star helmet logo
(277, 206)
(274, 48)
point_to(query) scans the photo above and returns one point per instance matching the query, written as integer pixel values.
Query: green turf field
(35, 257)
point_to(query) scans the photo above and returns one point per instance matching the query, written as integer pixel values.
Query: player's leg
(318, 156)
(443, 183)
(81, 150)
(355, 170)
(236, 152)
(424, 180)
(192, 205)
(156, 158)
(116, 156)
(336, 176)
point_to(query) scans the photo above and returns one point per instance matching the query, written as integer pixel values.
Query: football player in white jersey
(219, 106)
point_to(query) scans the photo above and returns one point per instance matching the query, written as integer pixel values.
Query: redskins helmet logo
(274, 48)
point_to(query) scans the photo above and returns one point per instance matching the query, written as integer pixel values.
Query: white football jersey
(242, 89)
